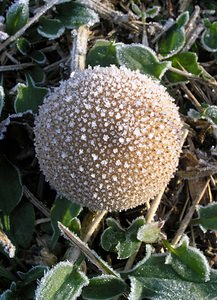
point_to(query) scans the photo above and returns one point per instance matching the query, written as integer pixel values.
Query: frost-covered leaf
(104, 287)
(209, 36)
(149, 13)
(63, 282)
(103, 53)
(65, 212)
(3, 127)
(174, 38)
(38, 56)
(194, 114)
(72, 15)
(207, 217)
(155, 280)
(2, 98)
(152, 11)
(122, 241)
(210, 113)
(186, 61)
(50, 28)
(33, 274)
(29, 97)
(23, 224)
(150, 233)
(17, 16)
(188, 262)
(37, 74)
(6, 122)
(23, 45)
(11, 190)
(136, 9)
(8, 295)
(139, 57)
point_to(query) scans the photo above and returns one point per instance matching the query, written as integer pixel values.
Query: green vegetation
(52, 248)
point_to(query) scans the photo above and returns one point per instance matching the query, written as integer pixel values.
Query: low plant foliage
(128, 257)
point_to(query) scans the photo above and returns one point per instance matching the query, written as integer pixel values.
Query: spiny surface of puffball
(108, 138)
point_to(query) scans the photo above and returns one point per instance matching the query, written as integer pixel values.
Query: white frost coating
(94, 15)
(127, 160)
(45, 280)
(197, 252)
(14, 6)
(3, 36)
(204, 43)
(135, 289)
(51, 36)
(2, 96)
(120, 51)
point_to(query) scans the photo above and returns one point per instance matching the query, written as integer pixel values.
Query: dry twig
(79, 48)
(110, 14)
(188, 217)
(15, 67)
(36, 202)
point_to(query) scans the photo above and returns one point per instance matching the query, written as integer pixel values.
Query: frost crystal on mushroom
(108, 138)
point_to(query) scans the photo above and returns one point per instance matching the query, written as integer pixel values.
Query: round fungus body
(108, 138)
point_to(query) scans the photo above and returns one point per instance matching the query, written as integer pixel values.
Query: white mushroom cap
(108, 138)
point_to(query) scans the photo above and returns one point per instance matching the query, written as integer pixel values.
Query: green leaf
(29, 97)
(209, 37)
(139, 57)
(153, 279)
(185, 61)
(182, 20)
(174, 38)
(33, 274)
(210, 113)
(104, 287)
(63, 282)
(73, 15)
(103, 53)
(136, 9)
(150, 233)
(152, 11)
(65, 212)
(37, 74)
(50, 28)
(17, 16)
(11, 190)
(23, 45)
(8, 295)
(188, 262)
(38, 56)
(122, 241)
(2, 98)
(23, 224)
(207, 217)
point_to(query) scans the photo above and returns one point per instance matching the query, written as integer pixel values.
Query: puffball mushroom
(108, 138)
